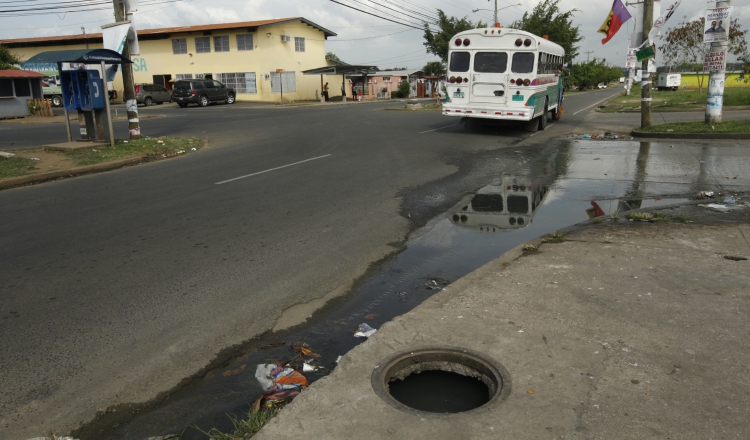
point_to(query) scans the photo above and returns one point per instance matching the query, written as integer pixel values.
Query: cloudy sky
(362, 38)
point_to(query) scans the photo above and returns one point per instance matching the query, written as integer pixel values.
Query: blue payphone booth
(82, 90)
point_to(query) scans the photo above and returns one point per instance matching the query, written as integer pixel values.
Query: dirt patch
(48, 160)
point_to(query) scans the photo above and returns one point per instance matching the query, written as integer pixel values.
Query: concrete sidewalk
(625, 122)
(624, 330)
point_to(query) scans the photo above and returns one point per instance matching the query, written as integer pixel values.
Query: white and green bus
(504, 74)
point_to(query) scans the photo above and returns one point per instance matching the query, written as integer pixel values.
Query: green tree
(404, 89)
(438, 42)
(7, 59)
(684, 46)
(332, 57)
(546, 19)
(434, 68)
(587, 75)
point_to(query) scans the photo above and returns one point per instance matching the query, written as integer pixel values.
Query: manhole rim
(378, 379)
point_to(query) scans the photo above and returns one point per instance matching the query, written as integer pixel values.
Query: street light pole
(496, 9)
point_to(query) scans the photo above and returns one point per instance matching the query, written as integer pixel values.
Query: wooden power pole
(134, 125)
(648, 23)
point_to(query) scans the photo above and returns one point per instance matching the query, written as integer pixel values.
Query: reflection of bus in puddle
(506, 203)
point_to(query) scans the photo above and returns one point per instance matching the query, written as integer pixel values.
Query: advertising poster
(717, 25)
(714, 61)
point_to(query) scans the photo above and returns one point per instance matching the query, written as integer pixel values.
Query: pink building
(379, 85)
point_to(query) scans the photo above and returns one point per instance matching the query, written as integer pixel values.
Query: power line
(374, 15)
(384, 12)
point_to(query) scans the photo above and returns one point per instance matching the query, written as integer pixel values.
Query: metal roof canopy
(342, 69)
(81, 56)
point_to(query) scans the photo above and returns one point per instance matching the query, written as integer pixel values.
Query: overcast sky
(362, 39)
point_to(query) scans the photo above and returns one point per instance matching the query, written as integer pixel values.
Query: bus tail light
(527, 42)
(512, 81)
(526, 82)
(519, 82)
(458, 41)
(452, 79)
(519, 42)
(466, 42)
(466, 80)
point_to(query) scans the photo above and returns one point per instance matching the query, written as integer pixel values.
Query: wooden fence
(40, 107)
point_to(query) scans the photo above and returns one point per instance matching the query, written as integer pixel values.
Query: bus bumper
(504, 114)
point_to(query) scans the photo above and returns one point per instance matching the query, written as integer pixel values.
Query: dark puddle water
(500, 216)
(440, 392)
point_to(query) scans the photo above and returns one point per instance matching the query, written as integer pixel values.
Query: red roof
(172, 30)
(20, 74)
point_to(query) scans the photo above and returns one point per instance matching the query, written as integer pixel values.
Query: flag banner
(717, 23)
(616, 18)
(645, 53)
(659, 22)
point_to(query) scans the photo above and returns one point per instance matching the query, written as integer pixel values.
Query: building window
(200, 76)
(23, 87)
(241, 82)
(245, 42)
(299, 44)
(221, 44)
(386, 79)
(179, 46)
(289, 80)
(202, 44)
(180, 76)
(6, 88)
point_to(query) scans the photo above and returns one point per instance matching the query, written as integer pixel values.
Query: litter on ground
(365, 331)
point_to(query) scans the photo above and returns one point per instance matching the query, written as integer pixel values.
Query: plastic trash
(308, 367)
(338, 359)
(706, 194)
(586, 136)
(365, 331)
(730, 200)
(193, 149)
(4, 154)
(35, 158)
(716, 207)
(275, 378)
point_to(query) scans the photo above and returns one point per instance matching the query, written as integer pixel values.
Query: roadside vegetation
(37, 161)
(679, 100)
(246, 428)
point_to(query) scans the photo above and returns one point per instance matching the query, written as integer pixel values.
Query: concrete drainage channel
(439, 381)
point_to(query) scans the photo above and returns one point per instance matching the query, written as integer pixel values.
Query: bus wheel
(543, 119)
(557, 113)
(532, 125)
(57, 101)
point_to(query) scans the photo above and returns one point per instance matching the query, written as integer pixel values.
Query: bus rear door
(489, 77)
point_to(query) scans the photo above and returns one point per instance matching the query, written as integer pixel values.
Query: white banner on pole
(659, 22)
(717, 24)
(714, 61)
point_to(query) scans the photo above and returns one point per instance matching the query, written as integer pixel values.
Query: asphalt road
(116, 286)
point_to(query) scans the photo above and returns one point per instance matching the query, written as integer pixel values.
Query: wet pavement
(525, 196)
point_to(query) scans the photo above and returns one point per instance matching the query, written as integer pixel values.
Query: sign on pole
(714, 61)
(717, 25)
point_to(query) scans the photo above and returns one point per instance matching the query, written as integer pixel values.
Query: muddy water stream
(508, 211)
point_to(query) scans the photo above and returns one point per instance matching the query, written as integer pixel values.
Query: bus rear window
(491, 62)
(523, 62)
(460, 62)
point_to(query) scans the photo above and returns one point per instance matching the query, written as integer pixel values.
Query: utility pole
(83, 29)
(134, 125)
(716, 79)
(648, 23)
(495, 24)
(588, 55)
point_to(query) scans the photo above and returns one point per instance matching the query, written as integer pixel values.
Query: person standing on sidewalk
(325, 92)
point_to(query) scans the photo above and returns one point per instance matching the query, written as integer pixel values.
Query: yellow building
(734, 79)
(244, 55)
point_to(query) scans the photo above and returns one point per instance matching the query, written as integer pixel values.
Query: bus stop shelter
(339, 68)
(87, 57)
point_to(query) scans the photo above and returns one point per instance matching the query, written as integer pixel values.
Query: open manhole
(441, 380)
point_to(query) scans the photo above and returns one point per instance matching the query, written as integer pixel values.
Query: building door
(159, 80)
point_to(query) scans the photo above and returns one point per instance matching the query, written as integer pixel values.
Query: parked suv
(148, 94)
(201, 92)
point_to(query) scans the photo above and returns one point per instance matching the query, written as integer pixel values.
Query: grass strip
(245, 428)
(741, 126)
(123, 149)
(15, 166)
(679, 100)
